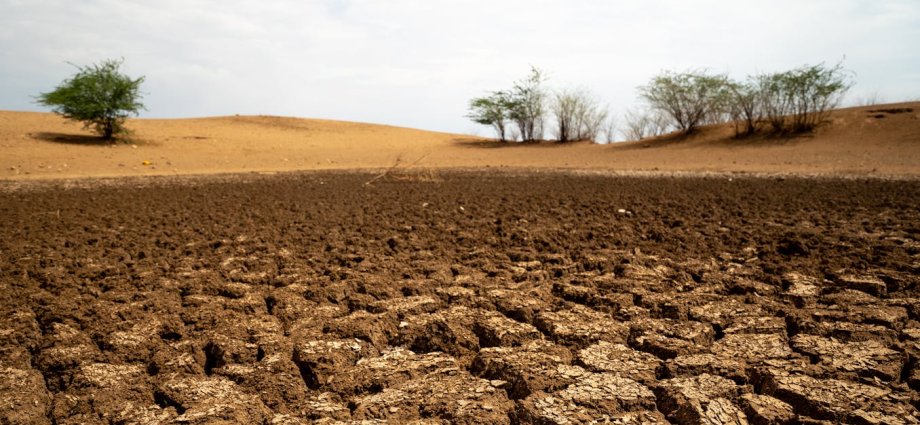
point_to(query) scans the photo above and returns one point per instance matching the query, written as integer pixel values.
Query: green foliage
(800, 99)
(746, 107)
(527, 105)
(688, 98)
(523, 105)
(99, 96)
(492, 110)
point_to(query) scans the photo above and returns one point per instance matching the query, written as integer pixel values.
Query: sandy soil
(469, 298)
(39, 146)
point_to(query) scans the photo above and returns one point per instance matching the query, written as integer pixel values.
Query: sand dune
(878, 140)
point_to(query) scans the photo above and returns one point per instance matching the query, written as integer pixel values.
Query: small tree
(610, 128)
(564, 107)
(578, 115)
(688, 98)
(98, 95)
(643, 123)
(524, 106)
(491, 110)
(801, 99)
(814, 90)
(746, 106)
(527, 105)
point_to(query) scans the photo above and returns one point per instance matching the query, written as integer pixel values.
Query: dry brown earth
(427, 295)
(476, 297)
(874, 141)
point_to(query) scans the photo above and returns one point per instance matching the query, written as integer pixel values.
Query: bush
(746, 107)
(527, 105)
(801, 99)
(99, 96)
(641, 124)
(689, 99)
(524, 105)
(578, 114)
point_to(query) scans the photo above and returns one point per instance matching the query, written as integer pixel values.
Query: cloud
(416, 63)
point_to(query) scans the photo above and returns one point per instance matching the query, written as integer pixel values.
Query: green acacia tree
(523, 106)
(801, 99)
(689, 98)
(98, 95)
(491, 110)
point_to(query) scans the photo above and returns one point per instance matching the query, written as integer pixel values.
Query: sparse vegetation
(578, 115)
(610, 128)
(687, 98)
(746, 107)
(524, 106)
(98, 95)
(792, 101)
(493, 111)
(527, 105)
(640, 124)
(800, 99)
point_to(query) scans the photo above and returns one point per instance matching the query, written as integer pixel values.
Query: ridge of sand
(879, 140)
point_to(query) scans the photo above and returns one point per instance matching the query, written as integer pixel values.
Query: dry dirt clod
(277, 380)
(322, 361)
(535, 366)
(581, 326)
(394, 366)
(203, 400)
(849, 332)
(870, 359)
(699, 400)
(766, 410)
(865, 283)
(377, 329)
(449, 331)
(497, 330)
(23, 396)
(725, 311)
(667, 339)
(403, 307)
(832, 399)
(753, 349)
(520, 306)
(800, 288)
(698, 364)
(598, 397)
(456, 397)
(757, 325)
(620, 360)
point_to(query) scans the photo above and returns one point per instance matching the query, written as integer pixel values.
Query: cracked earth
(468, 298)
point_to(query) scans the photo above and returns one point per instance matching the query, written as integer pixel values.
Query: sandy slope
(38, 146)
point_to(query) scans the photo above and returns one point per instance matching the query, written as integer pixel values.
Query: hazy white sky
(417, 63)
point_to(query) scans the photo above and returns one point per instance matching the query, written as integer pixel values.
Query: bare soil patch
(879, 141)
(476, 297)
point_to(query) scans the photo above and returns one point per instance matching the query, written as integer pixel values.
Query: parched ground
(460, 297)
(878, 141)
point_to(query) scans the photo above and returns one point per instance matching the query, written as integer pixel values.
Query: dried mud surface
(531, 298)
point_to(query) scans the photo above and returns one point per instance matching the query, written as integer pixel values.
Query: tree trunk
(108, 131)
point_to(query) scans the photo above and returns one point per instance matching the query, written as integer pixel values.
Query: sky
(417, 63)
